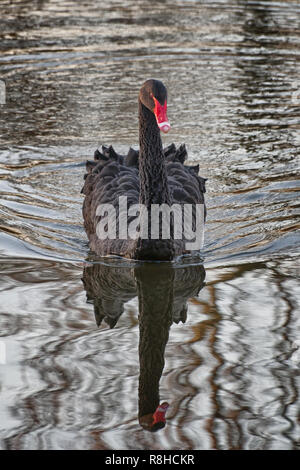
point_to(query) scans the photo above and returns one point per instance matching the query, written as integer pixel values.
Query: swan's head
(153, 95)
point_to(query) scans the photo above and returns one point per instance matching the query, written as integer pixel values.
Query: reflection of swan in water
(163, 291)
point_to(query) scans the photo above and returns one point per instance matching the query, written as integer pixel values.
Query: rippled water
(72, 72)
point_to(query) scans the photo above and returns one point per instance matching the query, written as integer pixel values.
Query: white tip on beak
(164, 126)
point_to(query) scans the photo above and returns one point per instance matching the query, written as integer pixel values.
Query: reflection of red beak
(159, 416)
(161, 116)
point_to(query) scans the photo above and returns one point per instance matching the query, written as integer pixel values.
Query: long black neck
(153, 178)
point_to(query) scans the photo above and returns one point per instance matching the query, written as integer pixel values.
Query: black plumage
(152, 175)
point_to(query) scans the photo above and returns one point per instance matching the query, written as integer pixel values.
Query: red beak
(161, 116)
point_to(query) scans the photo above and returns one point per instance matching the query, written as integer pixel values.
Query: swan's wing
(107, 178)
(187, 190)
(171, 153)
(186, 186)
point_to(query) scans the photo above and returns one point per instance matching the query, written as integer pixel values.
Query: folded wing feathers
(108, 162)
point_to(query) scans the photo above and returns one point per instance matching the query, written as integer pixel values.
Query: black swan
(150, 176)
(163, 292)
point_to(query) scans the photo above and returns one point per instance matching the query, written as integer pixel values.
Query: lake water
(226, 332)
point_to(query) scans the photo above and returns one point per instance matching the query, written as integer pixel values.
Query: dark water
(72, 72)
